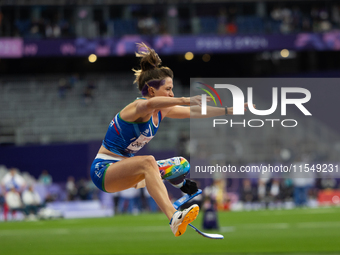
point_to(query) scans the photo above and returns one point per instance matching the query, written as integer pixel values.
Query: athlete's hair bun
(150, 68)
(150, 58)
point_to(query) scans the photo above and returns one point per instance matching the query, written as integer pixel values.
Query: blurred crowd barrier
(24, 197)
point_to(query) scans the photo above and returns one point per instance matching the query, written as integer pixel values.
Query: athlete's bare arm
(184, 112)
(141, 110)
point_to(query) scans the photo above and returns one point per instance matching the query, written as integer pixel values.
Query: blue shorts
(98, 170)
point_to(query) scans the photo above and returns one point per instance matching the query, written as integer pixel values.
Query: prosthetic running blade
(186, 198)
(207, 235)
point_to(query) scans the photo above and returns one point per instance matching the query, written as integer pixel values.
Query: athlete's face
(166, 89)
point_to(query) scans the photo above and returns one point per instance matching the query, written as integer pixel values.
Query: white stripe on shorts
(108, 157)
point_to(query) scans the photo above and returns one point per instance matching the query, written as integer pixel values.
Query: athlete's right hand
(197, 100)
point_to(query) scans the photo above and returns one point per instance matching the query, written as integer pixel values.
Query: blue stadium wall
(60, 160)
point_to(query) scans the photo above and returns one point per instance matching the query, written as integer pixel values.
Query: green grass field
(299, 231)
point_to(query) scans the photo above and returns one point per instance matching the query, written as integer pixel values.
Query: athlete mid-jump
(115, 167)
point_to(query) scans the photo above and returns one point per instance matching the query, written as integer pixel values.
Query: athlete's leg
(128, 172)
(172, 170)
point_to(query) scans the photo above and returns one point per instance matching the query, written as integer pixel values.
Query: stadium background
(55, 106)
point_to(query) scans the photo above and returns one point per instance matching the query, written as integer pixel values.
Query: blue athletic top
(127, 138)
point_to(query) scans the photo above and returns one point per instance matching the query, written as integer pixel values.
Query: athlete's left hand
(231, 109)
(197, 100)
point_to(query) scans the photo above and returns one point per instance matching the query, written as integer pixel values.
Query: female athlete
(115, 167)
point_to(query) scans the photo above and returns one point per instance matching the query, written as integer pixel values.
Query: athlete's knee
(149, 163)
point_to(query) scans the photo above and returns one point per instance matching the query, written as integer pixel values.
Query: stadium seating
(208, 25)
(43, 117)
(250, 25)
(120, 27)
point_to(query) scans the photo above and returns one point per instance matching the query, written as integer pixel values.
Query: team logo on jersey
(146, 132)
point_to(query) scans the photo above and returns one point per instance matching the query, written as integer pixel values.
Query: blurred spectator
(50, 197)
(48, 31)
(37, 29)
(209, 206)
(248, 192)
(274, 194)
(210, 191)
(286, 191)
(45, 178)
(71, 188)
(153, 207)
(2, 202)
(128, 201)
(56, 31)
(62, 87)
(74, 78)
(231, 27)
(336, 14)
(83, 192)
(222, 20)
(301, 187)
(218, 194)
(148, 25)
(306, 24)
(296, 18)
(276, 13)
(286, 21)
(302, 182)
(31, 200)
(275, 189)
(13, 201)
(13, 179)
(3, 172)
(88, 93)
(88, 96)
(115, 200)
(210, 217)
(262, 191)
(325, 26)
(92, 190)
(91, 85)
(64, 28)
